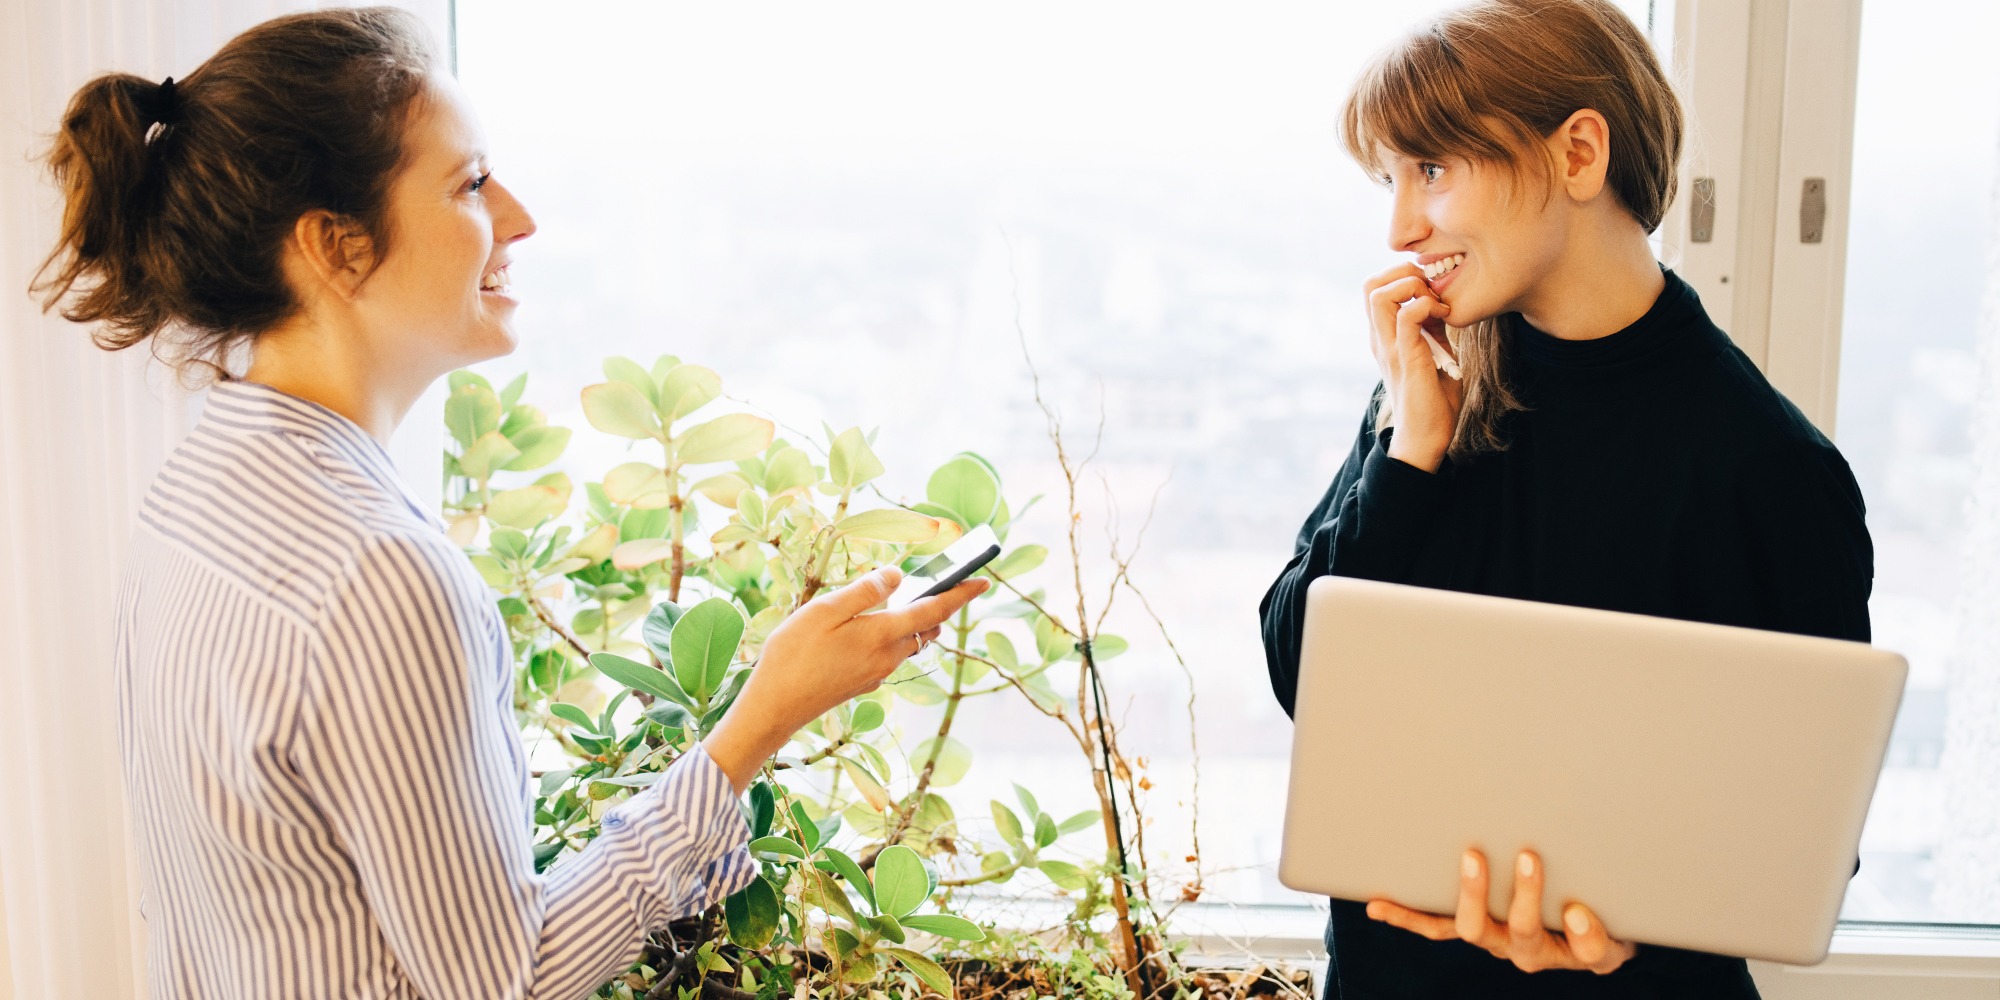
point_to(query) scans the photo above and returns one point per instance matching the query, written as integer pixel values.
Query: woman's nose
(512, 222)
(1407, 226)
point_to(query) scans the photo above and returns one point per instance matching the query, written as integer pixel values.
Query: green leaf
(851, 462)
(490, 452)
(753, 914)
(887, 926)
(639, 485)
(507, 543)
(553, 780)
(1000, 649)
(778, 845)
(945, 925)
(763, 808)
(570, 713)
(1051, 642)
(538, 446)
(724, 439)
(888, 524)
(901, 885)
(1045, 830)
(932, 974)
(471, 412)
(464, 377)
(788, 468)
(1007, 823)
(1104, 647)
(967, 487)
(808, 830)
(627, 371)
(688, 388)
(953, 760)
(662, 365)
(1025, 559)
(1027, 801)
(823, 891)
(658, 631)
(640, 677)
(525, 507)
(1081, 821)
(1064, 875)
(670, 715)
(847, 868)
(865, 783)
(868, 715)
(512, 394)
(704, 643)
(620, 409)
(493, 572)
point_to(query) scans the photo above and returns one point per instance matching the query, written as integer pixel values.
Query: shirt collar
(257, 406)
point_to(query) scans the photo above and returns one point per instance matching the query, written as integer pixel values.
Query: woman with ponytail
(315, 687)
(1559, 420)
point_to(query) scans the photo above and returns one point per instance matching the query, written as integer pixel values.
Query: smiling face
(439, 299)
(1485, 238)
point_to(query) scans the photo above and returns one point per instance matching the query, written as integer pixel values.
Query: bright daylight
(1490, 498)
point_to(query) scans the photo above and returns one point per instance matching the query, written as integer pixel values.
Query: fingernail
(1526, 865)
(1578, 923)
(1470, 865)
(1374, 912)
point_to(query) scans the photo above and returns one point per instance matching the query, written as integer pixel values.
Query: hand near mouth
(1424, 395)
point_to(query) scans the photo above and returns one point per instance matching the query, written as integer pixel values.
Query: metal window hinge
(1812, 211)
(1701, 213)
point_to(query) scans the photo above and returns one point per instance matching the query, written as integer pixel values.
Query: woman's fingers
(1384, 301)
(1473, 922)
(930, 612)
(1430, 925)
(857, 597)
(1529, 945)
(1592, 946)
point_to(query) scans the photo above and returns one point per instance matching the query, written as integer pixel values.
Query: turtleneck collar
(1675, 329)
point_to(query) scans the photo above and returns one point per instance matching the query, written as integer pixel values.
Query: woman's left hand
(1521, 940)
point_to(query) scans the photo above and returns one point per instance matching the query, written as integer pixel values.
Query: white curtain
(81, 434)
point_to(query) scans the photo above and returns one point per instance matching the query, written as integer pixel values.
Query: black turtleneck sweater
(1657, 472)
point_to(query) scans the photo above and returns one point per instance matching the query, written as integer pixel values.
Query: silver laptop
(1697, 786)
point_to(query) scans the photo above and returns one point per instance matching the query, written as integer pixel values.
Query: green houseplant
(636, 620)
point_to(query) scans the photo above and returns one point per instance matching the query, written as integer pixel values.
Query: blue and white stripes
(329, 793)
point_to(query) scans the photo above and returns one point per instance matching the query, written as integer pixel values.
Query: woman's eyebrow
(470, 161)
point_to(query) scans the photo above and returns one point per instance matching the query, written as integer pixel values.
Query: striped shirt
(328, 787)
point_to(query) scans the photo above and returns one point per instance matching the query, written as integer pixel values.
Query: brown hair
(178, 198)
(1489, 82)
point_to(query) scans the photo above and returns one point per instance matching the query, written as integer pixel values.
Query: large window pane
(1918, 262)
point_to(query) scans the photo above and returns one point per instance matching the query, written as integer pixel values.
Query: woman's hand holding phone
(1522, 939)
(1424, 402)
(827, 652)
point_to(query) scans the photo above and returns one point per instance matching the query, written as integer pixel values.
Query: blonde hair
(1488, 82)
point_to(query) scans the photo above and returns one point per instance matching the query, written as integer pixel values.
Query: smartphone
(949, 568)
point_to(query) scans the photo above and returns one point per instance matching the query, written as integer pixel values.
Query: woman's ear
(1581, 151)
(336, 253)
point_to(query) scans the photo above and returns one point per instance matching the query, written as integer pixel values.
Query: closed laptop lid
(1698, 786)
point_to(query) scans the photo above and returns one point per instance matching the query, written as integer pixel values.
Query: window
(842, 210)
(1908, 380)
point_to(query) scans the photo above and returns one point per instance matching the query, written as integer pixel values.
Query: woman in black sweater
(1607, 446)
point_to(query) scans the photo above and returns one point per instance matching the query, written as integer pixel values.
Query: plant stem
(549, 621)
(904, 817)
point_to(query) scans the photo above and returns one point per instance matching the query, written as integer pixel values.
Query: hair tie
(162, 111)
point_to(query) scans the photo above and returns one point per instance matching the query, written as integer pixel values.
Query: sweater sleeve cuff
(1397, 498)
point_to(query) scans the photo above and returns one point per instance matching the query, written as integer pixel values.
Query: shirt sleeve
(407, 743)
(1370, 524)
(1811, 560)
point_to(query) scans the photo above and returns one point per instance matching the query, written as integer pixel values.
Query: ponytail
(178, 198)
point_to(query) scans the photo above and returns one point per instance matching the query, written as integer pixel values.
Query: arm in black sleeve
(1812, 564)
(1369, 525)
